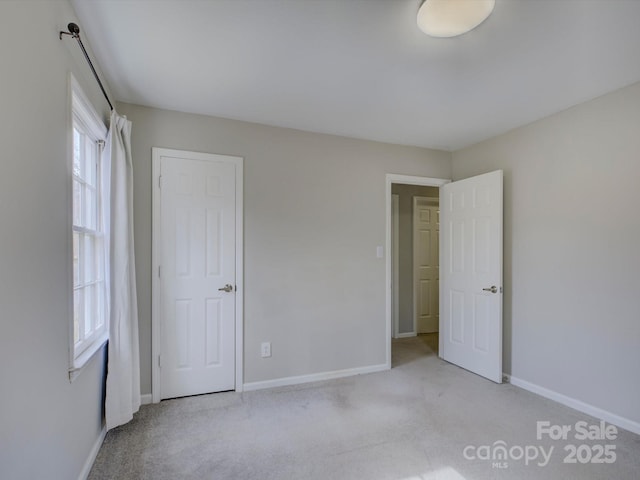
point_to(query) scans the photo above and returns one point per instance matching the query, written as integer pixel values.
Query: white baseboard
(605, 415)
(314, 377)
(405, 335)
(86, 468)
(146, 398)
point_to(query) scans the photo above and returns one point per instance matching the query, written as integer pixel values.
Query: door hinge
(159, 361)
(159, 270)
(160, 181)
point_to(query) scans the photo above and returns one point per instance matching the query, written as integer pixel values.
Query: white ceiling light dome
(450, 18)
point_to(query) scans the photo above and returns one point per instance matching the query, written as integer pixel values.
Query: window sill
(79, 363)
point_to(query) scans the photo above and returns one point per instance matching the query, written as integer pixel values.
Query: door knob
(492, 289)
(227, 288)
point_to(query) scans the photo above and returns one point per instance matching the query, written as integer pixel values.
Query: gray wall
(572, 239)
(405, 227)
(47, 424)
(314, 213)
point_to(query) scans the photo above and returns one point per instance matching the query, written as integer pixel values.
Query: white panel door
(471, 274)
(197, 260)
(426, 229)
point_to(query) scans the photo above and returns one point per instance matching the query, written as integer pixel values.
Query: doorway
(471, 283)
(415, 260)
(413, 293)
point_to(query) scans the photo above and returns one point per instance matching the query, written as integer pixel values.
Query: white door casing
(426, 231)
(471, 274)
(197, 242)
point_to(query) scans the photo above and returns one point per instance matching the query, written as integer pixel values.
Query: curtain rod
(74, 32)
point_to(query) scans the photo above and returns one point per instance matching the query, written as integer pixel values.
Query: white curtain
(123, 367)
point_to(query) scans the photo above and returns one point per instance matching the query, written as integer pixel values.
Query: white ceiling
(362, 68)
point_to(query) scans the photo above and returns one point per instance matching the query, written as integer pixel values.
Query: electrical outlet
(265, 349)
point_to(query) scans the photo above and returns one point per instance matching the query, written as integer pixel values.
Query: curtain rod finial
(74, 31)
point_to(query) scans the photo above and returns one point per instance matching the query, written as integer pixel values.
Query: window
(89, 329)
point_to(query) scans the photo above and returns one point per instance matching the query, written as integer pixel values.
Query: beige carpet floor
(415, 421)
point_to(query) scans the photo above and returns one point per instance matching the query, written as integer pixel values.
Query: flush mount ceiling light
(450, 18)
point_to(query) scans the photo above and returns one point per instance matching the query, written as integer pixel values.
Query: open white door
(471, 274)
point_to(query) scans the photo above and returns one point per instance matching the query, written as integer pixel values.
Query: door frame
(156, 339)
(391, 178)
